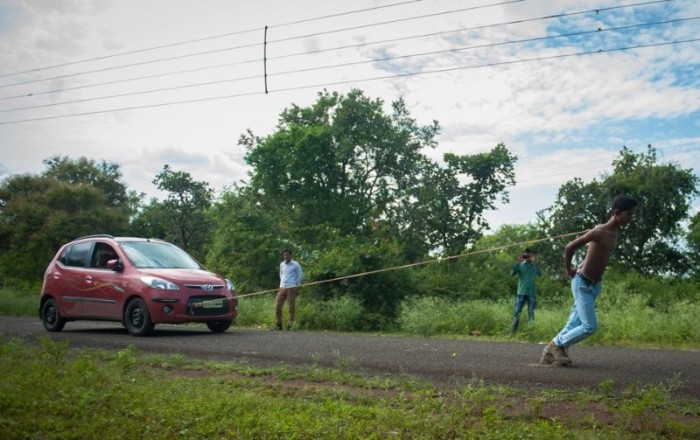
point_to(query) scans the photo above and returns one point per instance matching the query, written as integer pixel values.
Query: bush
(339, 313)
(342, 313)
(256, 311)
(20, 298)
(431, 316)
(379, 294)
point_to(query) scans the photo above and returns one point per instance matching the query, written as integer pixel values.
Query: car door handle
(88, 279)
(56, 275)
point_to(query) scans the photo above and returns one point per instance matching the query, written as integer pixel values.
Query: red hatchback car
(137, 281)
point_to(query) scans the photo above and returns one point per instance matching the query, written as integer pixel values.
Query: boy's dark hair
(529, 251)
(624, 203)
(287, 250)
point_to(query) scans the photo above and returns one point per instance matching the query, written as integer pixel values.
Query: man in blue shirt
(527, 270)
(291, 278)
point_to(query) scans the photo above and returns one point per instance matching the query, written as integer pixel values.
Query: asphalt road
(448, 362)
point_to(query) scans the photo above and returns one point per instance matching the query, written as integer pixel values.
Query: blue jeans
(520, 300)
(582, 321)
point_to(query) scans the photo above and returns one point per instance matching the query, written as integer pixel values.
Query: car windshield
(154, 254)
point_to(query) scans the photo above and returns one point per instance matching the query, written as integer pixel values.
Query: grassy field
(53, 391)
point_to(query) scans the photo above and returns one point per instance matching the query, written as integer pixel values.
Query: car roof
(117, 239)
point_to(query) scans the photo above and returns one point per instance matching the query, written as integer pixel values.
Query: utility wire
(279, 57)
(197, 40)
(353, 46)
(310, 69)
(209, 52)
(344, 82)
(398, 20)
(118, 81)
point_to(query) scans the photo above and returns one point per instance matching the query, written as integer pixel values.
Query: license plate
(213, 304)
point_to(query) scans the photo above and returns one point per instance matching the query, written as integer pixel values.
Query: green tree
(447, 210)
(247, 241)
(341, 162)
(651, 243)
(104, 176)
(693, 241)
(40, 213)
(182, 217)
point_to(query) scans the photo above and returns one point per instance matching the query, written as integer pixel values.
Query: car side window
(77, 255)
(101, 254)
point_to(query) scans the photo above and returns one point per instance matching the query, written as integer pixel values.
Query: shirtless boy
(585, 283)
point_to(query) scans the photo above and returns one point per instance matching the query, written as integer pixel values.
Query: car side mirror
(115, 265)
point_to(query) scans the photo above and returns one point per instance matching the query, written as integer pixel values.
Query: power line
(344, 82)
(398, 20)
(548, 17)
(197, 40)
(309, 69)
(118, 81)
(391, 40)
(245, 46)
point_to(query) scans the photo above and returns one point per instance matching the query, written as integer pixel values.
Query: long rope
(405, 266)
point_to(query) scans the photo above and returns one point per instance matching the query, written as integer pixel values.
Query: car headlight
(159, 283)
(230, 285)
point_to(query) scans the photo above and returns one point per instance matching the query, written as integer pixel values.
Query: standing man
(527, 270)
(291, 277)
(585, 280)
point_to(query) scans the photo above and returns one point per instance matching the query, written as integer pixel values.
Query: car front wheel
(219, 326)
(51, 317)
(137, 320)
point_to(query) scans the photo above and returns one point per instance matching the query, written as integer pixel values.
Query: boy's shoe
(547, 357)
(561, 357)
(554, 354)
(276, 327)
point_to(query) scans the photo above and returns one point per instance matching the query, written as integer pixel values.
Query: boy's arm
(571, 248)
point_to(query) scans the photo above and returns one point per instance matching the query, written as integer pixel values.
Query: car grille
(205, 287)
(207, 305)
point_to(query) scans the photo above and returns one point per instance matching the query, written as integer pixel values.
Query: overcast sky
(564, 84)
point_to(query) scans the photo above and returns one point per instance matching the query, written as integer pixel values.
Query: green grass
(52, 391)
(19, 301)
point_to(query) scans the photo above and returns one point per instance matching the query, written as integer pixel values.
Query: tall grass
(625, 320)
(19, 299)
(339, 314)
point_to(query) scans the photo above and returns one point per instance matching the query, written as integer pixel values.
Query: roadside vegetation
(51, 390)
(629, 314)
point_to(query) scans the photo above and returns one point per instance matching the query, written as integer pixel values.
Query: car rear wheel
(51, 317)
(137, 320)
(219, 326)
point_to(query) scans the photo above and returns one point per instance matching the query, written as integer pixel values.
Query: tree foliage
(341, 162)
(447, 209)
(182, 217)
(344, 164)
(38, 214)
(651, 244)
(693, 240)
